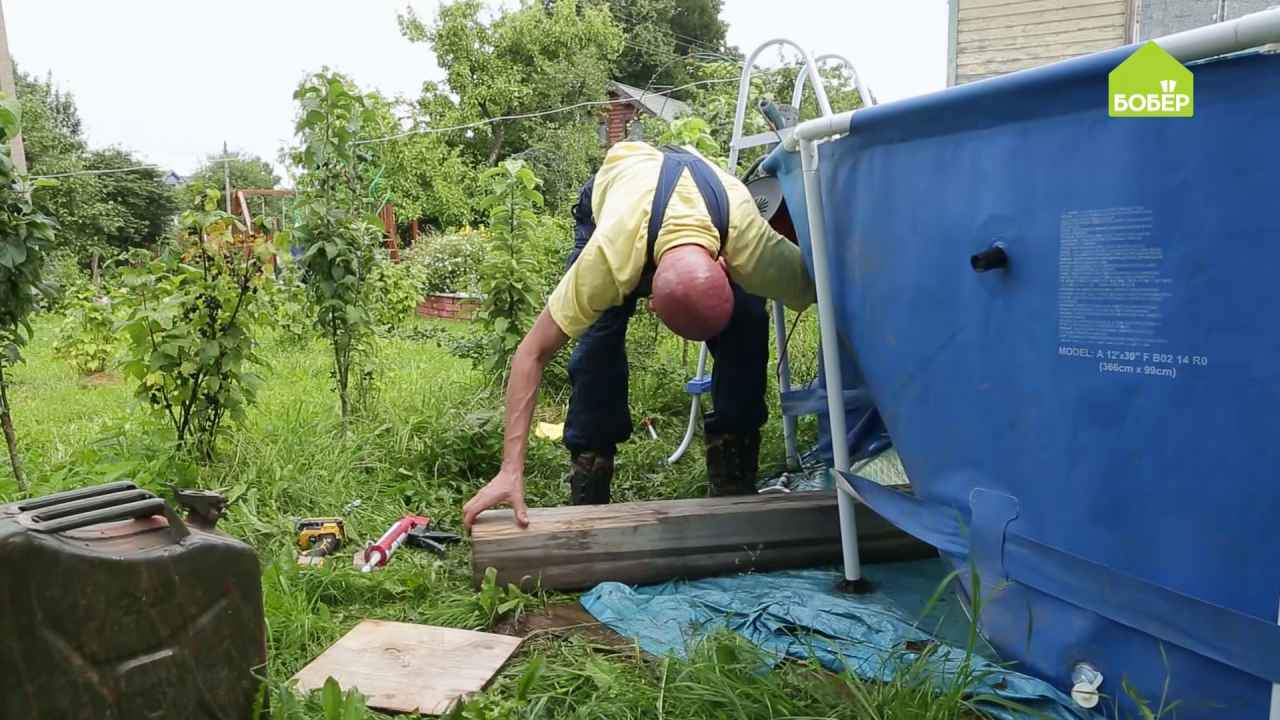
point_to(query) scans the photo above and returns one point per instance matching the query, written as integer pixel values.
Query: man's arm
(541, 344)
(767, 264)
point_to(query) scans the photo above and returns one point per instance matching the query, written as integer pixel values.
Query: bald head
(691, 293)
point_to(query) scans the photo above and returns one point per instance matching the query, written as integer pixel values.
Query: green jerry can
(112, 607)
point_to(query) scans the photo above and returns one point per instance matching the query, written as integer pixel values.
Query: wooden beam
(388, 215)
(572, 548)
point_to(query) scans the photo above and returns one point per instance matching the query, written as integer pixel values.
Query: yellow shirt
(611, 265)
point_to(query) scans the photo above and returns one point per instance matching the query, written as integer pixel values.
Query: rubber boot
(589, 477)
(733, 460)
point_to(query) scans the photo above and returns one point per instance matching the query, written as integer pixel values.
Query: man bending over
(667, 225)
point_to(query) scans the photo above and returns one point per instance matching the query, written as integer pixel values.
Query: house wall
(993, 37)
(1164, 17)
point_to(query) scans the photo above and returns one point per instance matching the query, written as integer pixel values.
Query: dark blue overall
(599, 415)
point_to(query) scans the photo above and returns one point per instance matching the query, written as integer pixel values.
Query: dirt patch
(564, 619)
(99, 379)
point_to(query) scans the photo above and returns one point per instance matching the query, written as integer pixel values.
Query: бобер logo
(1151, 83)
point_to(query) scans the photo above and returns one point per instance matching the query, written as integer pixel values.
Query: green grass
(428, 436)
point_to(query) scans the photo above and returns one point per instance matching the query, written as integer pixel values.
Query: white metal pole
(830, 356)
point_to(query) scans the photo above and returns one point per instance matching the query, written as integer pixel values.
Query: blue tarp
(800, 614)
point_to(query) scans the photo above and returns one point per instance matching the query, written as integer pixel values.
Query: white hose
(695, 410)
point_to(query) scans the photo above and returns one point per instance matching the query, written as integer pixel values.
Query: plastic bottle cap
(1085, 695)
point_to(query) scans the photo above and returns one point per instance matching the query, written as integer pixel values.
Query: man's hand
(507, 488)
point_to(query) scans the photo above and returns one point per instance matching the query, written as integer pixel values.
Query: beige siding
(993, 37)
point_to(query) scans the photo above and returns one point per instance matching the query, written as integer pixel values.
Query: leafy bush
(65, 279)
(548, 250)
(289, 314)
(507, 278)
(190, 329)
(394, 291)
(694, 132)
(87, 338)
(448, 263)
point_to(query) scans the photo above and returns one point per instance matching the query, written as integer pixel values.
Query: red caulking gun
(376, 555)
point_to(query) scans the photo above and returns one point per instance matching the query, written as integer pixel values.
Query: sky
(172, 79)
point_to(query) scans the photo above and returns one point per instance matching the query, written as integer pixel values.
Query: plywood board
(404, 668)
(571, 548)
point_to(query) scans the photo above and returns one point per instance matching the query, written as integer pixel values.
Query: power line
(535, 114)
(690, 42)
(77, 173)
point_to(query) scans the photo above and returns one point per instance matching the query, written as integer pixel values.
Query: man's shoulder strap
(674, 162)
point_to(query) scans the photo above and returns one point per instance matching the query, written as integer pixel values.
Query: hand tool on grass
(432, 540)
(319, 538)
(376, 554)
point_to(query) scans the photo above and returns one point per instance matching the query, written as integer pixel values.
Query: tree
(663, 36)
(246, 171)
(537, 57)
(337, 225)
(424, 175)
(96, 214)
(142, 206)
(506, 279)
(25, 236)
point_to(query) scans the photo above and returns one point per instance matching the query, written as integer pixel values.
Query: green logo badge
(1151, 83)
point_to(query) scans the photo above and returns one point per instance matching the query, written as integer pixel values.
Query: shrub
(394, 291)
(65, 279)
(548, 250)
(190, 330)
(87, 338)
(448, 263)
(290, 317)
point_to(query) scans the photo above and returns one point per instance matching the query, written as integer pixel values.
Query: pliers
(426, 538)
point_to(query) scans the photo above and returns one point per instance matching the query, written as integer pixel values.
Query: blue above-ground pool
(1093, 429)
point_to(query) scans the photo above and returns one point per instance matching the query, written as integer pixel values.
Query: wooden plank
(571, 548)
(405, 668)
(1032, 7)
(1069, 13)
(969, 73)
(1041, 55)
(1114, 36)
(1044, 30)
